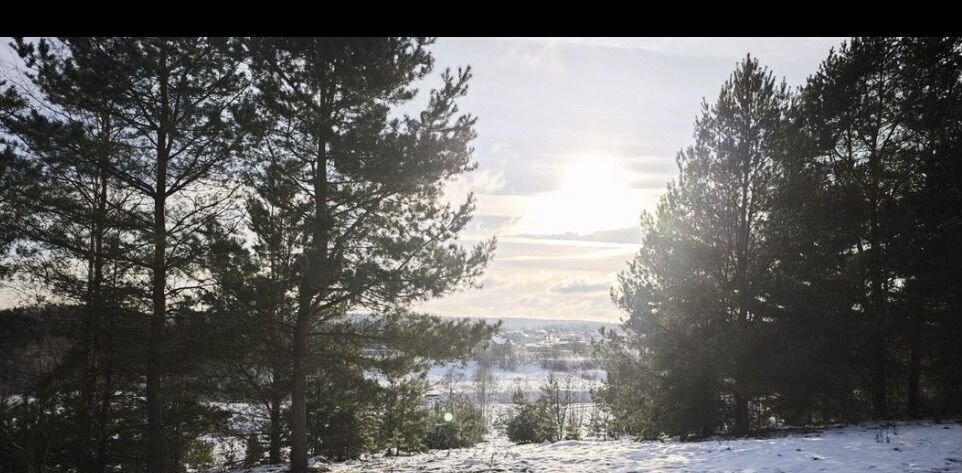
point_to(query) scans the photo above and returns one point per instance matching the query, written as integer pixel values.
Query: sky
(576, 137)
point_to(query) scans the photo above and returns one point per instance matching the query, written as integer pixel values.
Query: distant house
(518, 337)
(539, 348)
(501, 350)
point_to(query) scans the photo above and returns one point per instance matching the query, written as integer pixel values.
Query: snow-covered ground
(916, 447)
(527, 376)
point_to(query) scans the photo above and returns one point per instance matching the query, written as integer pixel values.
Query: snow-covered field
(526, 376)
(918, 447)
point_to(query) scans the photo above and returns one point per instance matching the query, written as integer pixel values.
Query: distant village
(553, 344)
(548, 346)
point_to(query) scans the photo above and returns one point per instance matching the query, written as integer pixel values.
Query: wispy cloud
(540, 55)
(579, 286)
(696, 47)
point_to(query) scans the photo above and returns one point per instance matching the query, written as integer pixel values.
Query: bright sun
(596, 195)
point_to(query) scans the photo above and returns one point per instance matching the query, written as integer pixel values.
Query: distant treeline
(805, 265)
(193, 220)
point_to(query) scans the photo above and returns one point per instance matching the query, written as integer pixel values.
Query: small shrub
(531, 424)
(463, 428)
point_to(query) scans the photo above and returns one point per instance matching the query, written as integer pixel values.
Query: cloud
(485, 224)
(713, 48)
(530, 278)
(483, 181)
(494, 211)
(631, 235)
(501, 205)
(657, 181)
(652, 166)
(579, 287)
(536, 56)
(503, 150)
(490, 282)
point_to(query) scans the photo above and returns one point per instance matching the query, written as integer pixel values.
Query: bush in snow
(458, 424)
(532, 423)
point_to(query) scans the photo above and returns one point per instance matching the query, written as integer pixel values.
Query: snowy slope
(919, 447)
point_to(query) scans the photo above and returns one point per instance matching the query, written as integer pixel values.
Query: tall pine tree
(376, 231)
(169, 103)
(855, 110)
(696, 292)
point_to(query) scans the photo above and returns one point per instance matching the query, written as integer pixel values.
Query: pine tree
(169, 103)
(404, 420)
(252, 295)
(696, 292)
(815, 366)
(376, 233)
(932, 81)
(61, 139)
(855, 108)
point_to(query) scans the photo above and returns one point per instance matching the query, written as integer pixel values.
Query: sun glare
(595, 195)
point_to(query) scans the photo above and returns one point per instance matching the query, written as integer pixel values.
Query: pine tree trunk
(298, 387)
(878, 313)
(742, 417)
(274, 454)
(155, 427)
(877, 361)
(708, 402)
(742, 425)
(106, 399)
(95, 308)
(89, 385)
(312, 282)
(915, 370)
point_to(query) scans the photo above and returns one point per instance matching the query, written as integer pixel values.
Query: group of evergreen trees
(196, 218)
(804, 267)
